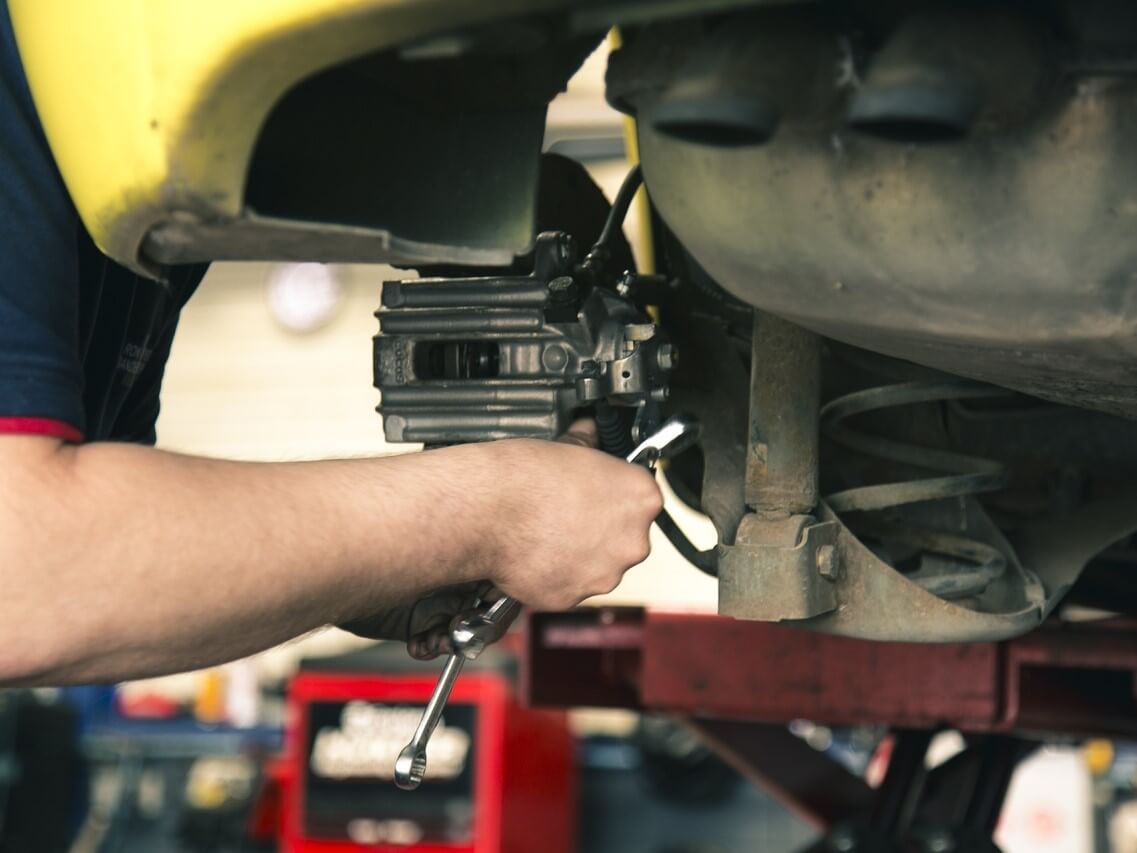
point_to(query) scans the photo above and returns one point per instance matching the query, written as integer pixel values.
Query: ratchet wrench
(479, 628)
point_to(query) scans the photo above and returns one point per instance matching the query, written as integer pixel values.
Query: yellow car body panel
(153, 107)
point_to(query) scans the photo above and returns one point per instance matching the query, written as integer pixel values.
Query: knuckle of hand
(644, 551)
(554, 599)
(603, 579)
(567, 601)
(637, 546)
(649, 492)
(601, 588)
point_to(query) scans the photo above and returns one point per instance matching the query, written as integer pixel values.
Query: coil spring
(613, 429)
(953, 566)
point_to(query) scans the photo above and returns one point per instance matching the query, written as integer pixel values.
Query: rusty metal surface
(775, 569)
(1062, 678)
(1080, 678)
(758, 671)
(779, 569)
(785, 398)
(583, 658)
(876, 602)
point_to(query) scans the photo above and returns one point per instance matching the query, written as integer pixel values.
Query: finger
(489, 593)
(430, 644)
(582, 432)
(420, 650)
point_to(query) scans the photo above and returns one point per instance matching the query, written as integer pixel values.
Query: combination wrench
(479, 628)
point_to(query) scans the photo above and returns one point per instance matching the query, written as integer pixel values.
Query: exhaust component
(732, 87)
(943, 68)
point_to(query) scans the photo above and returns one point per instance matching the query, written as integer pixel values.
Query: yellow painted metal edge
(152, 107)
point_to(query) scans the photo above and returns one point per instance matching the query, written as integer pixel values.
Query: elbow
(37, 647)
(28, 641)
(37, 644)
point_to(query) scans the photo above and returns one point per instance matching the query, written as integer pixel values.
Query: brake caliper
(475, 359)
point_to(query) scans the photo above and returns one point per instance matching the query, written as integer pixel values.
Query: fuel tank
(961, 193)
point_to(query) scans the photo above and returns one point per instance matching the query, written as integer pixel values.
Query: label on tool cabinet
(349, 789)
(1049, 806)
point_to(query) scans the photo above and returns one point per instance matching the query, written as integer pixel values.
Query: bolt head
(666, 357)
(827, 562)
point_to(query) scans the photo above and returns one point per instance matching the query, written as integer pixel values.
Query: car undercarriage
(888, 265)
(893, 277)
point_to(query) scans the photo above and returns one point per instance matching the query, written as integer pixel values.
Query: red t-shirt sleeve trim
(41, 426)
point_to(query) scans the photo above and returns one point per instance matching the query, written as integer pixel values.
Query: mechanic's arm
(119, 561)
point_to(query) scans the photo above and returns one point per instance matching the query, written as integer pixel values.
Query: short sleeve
(139, 417)
(41, 377)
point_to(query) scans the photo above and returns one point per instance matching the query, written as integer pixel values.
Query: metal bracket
(780, 568)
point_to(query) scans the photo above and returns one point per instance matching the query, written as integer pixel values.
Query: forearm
(121, 561)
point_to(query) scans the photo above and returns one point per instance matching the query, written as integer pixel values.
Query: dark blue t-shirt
(83, 340)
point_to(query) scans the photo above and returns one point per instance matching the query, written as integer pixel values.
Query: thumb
(582, 432)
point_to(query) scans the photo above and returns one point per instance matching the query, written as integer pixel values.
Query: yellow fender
(153, 107)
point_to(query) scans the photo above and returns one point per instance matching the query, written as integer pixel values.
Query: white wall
(238, 385)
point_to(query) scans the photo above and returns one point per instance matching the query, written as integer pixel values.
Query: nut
(827, 563)
(639, 331)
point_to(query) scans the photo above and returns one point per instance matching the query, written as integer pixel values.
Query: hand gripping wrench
(479, 628)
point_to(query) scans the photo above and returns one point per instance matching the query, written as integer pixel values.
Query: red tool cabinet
(501, 778)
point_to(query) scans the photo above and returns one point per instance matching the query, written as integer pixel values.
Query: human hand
(561, 522)
(425, 624)
(575, 519)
